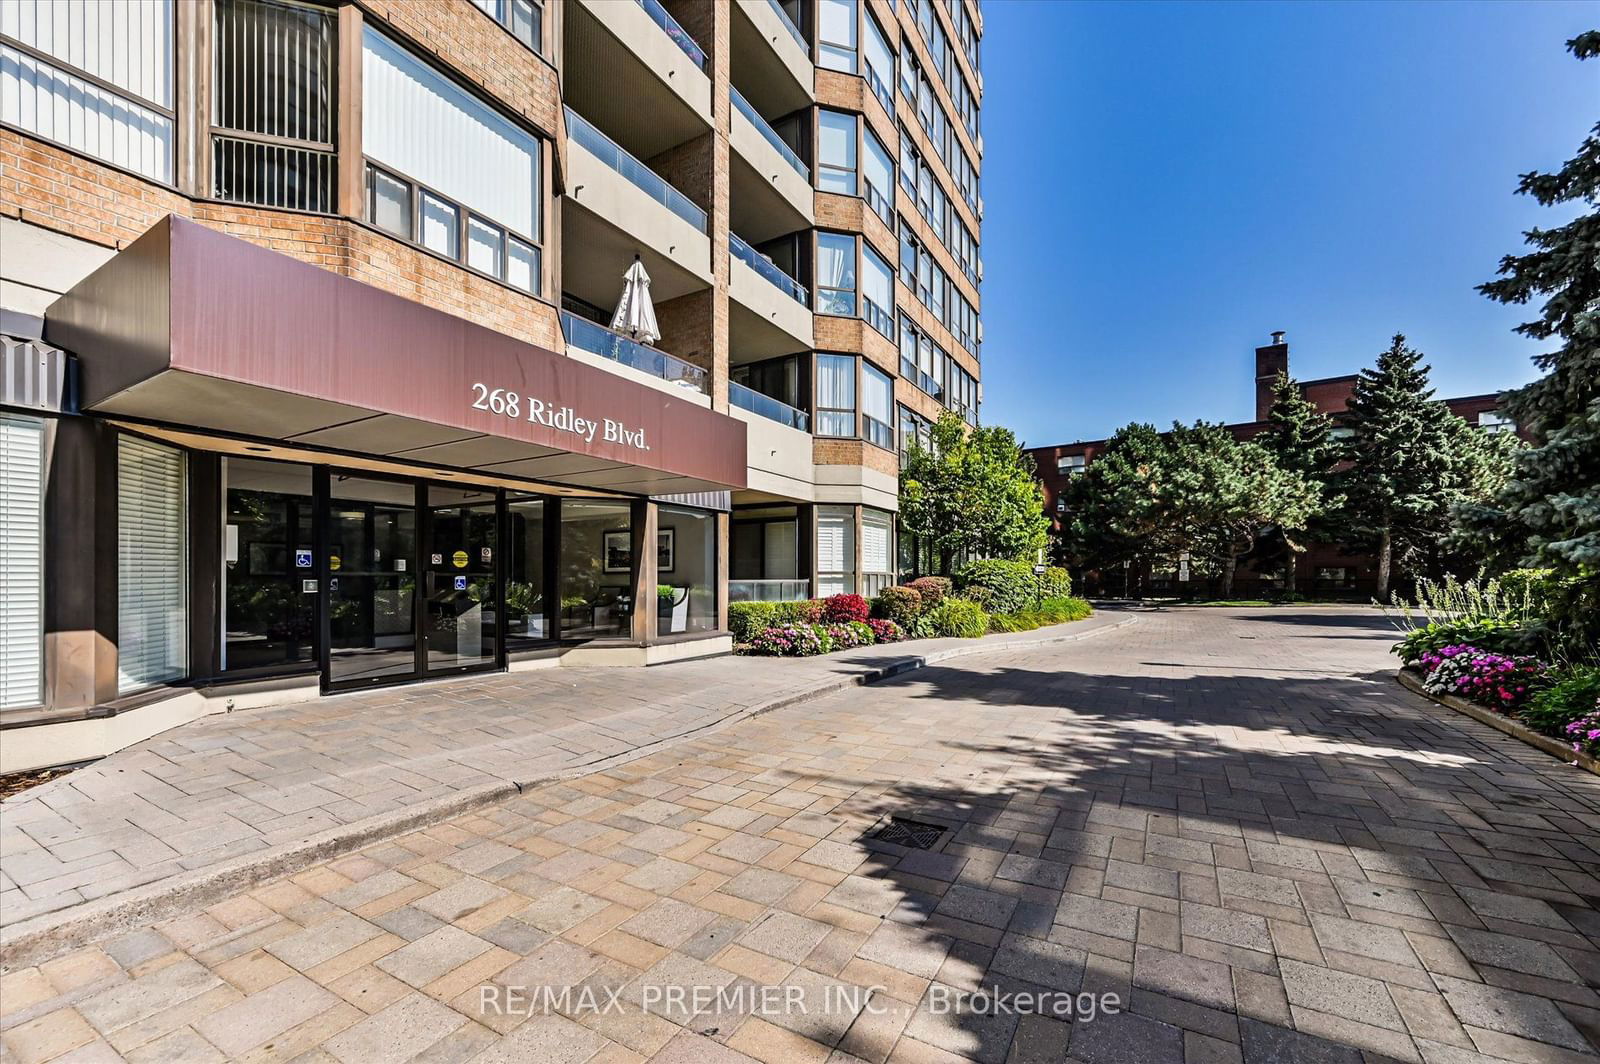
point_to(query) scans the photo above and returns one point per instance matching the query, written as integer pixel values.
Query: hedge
(998, 586)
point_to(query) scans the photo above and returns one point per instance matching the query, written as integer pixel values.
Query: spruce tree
(1548, 513)
(1299, 438)
(1409, 463)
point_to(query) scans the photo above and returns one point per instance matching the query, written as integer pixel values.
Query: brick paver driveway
(1232, 820)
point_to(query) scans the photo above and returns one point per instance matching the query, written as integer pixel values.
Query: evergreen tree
(1548, 513)
(1299, 438)
(1411, 461)
(973, 493)
(1193, 490)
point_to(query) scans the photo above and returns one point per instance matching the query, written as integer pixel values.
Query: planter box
(1411, 679)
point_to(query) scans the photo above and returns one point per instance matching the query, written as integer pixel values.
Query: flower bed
(921, 609)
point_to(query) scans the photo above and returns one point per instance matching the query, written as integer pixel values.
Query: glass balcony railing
(788, 24)
(759, 263)
(774, 409)
(679, 35)
(596, 339)
(768, 590)
(744, 107)
(641, 176)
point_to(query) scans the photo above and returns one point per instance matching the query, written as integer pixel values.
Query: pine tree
(1300, 439)
(1410, 463)
(1548, 513)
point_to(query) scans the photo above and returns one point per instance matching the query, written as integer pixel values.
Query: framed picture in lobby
(616, 550)
(666, 542)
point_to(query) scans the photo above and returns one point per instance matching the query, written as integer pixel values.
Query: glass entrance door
(372, 580)
(461, 605)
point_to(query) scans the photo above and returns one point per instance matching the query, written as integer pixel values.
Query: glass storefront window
(269, 609)
(686, 571)
(596, 569)
(527, 618)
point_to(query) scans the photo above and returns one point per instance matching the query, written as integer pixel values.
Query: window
(526, 605)
(274, 75)
(1333, 577)
(877, 171)
(836, 152)
(21, 560)
(836, 395)
(877, 553)
(879, 63)
(152, 584)
(1071, 464)
(686, 570)
(877, 291)
(836, 550)
(524, 18)
(910, 164)
(836, 35)
(446, 170)
(96, 78)
(910, 71)
(877, 406)
(595, 568)
(1495, 421)
(836, 274)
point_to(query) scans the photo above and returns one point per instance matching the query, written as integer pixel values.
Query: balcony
(768, 309)
(595, 339)
(616, 207)
(770, 184)
(773, 409)
(768, 590)
(771, 58)
(636, 74)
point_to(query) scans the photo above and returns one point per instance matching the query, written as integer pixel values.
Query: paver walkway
(1233, 820)
(232, 785)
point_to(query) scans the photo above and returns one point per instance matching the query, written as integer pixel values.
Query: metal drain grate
(912, 833)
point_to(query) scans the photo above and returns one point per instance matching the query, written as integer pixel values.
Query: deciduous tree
(973, 493)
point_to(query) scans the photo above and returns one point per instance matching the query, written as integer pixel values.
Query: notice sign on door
(459, 559)
(437, 559)
(302, 559)
(461, 583)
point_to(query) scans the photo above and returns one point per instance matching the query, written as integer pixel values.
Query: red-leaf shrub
(932, 588)
(842, 609)
(885, 631)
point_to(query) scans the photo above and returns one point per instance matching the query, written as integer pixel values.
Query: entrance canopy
(192, 327)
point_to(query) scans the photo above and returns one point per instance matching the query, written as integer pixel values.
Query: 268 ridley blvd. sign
(561, 418)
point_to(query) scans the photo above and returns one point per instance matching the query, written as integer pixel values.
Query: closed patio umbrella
(636, 315)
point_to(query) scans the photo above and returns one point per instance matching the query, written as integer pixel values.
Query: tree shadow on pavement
(1241, 859)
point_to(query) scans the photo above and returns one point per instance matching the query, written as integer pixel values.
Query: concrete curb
(50, 934)
(1412, 681)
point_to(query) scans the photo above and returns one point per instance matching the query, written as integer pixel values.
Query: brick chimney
(1271, 360)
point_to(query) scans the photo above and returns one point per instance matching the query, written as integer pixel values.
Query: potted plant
(672, 609)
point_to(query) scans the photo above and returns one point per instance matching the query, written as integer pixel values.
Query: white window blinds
(425, 126)
(152, 599)
(127, 45)
(835, 539)
(21, 559)
(876, 530)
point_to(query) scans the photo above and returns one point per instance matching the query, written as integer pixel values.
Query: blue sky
(1166, 183)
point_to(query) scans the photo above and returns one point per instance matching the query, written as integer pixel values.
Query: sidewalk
(232, 798)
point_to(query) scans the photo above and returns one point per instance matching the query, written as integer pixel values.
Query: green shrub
(960, 618)
(1574, 693)
(1498, 636)
(1056, 583)
(745, 619)
(933, 589)
(805, 611)
(902, 605)
(1050, 611)
(998, 586)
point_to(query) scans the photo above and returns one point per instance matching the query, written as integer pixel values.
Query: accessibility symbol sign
(302, 559)
(461, 583)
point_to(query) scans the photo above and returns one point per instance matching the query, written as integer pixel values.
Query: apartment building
(1324, 569)
(309, 383)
